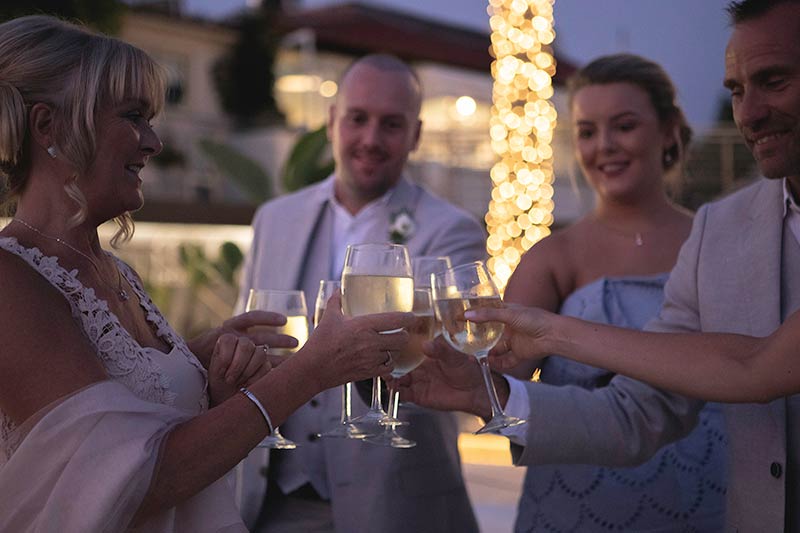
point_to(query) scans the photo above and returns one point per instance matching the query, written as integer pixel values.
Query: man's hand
(450, 380)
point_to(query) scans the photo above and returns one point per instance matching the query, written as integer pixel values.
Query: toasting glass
(345, 428)
(456, 290)
(406, 360)
(376, 279)
(292, 304)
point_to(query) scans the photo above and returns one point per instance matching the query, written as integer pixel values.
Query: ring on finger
(388, 361)
(265, 347)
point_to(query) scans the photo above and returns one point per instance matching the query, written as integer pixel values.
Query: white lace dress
(102, 444)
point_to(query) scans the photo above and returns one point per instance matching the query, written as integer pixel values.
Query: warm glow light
(521, 129)
(328, 88)
(298, 83)
(466, 106)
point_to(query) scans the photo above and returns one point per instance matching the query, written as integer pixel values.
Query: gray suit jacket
(727, 279)
(373, 489)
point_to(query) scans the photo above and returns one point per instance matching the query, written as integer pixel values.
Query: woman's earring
(51, 151)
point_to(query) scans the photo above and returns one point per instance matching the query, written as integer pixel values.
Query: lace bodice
(176, 378)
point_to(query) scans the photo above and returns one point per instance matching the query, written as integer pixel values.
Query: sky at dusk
(687, 37)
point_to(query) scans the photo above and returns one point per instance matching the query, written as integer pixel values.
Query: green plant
(245, 173)
(244, 77)
(308, 162)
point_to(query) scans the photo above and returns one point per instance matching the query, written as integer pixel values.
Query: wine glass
(292, 304)
(425, 265)
(376, 278)
(456, 290)
(406, 360)
(345, 428)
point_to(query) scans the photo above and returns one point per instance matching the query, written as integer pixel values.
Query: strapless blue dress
(680, 489)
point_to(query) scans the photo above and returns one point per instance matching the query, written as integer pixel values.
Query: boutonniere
(401, 226)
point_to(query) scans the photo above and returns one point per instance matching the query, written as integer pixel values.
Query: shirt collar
(789, 203)
(382, 201)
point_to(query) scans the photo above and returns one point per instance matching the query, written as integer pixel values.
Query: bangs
(131, 74)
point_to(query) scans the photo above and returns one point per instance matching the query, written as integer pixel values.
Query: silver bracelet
(252, 397)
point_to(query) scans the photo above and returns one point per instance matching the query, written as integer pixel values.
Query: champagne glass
(292, 304)
(376, 278)
(345, 428)
(425, 265)
(406, 360)
(455, 291)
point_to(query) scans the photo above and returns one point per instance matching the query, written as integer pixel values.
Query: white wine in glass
(376, 278)
(291, 304)
(455, 291)
(406, 360)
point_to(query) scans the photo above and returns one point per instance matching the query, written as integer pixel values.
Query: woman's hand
(236, 362)
(346, 349)
(449, 380)
(529, 333)
(243, 325)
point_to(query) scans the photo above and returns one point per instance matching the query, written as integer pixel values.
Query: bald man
(344, 485)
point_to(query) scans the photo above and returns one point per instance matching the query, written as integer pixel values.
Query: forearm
(713, 367)
(200, 451)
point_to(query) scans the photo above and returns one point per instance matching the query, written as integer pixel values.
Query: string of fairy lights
(521, 128)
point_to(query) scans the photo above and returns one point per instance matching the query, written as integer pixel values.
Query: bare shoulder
(543, 275)
(43, 353)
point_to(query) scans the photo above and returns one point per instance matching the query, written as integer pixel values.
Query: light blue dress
(680, 489)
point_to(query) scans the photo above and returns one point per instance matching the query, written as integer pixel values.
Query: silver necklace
(121, 293)
(637, 235)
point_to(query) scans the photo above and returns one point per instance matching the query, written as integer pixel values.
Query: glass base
(276, 441)
(370, 422)
(392, 439)
(499, 422)
(345, 431)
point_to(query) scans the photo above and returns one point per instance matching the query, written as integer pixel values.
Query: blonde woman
(108, 419)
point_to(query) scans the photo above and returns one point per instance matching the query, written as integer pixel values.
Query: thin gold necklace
(637, 235)
(121, 293)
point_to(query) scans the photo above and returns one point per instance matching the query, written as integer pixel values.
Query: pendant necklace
(121, 293)
(637, 236)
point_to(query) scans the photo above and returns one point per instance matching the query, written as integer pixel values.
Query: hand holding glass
(455, 291)
(292, 304)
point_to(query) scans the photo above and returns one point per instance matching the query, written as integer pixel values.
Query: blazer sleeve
(627, 421)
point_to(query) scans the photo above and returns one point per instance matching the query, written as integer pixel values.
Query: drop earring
(51, 151)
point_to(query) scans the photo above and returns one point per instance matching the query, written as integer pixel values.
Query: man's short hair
(743, 10)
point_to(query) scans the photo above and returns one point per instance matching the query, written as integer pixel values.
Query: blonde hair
(75, 71)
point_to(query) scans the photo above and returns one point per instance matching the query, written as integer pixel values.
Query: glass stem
(347, 405)
(376, 395)
(487, 378)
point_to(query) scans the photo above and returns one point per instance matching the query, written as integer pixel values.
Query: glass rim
(278, 291)
(462, 266)
(387, 245)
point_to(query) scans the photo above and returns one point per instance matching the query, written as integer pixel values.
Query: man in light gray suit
(738, 272)
(340, 484)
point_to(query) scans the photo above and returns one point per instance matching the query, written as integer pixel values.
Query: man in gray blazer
(299, 239)
(738, 272)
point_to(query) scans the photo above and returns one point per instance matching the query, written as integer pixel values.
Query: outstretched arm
(710, 366)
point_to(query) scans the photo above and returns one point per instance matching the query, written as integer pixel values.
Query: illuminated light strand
(521, 131)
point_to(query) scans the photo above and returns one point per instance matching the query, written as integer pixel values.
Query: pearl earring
(51, 151)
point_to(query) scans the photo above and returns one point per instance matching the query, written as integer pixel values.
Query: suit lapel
(300, 223)
(760, 257)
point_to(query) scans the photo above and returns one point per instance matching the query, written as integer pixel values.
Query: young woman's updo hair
(75, 71)
(653, 80)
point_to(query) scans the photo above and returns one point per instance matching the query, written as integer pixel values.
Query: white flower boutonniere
(401, 226)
